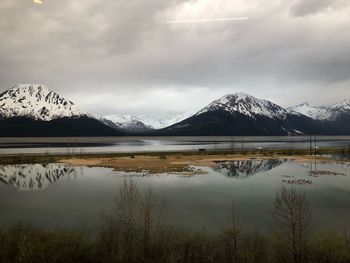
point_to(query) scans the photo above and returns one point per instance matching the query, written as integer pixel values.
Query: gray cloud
(309, 7)
(306, 7)
(121, 56)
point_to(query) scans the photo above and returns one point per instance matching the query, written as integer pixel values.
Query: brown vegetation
(292, 217)
(175, 163)
(168, 162)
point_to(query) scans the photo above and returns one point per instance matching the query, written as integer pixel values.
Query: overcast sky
(121, 56)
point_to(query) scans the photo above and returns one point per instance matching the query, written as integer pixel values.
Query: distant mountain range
(34, 110)
(329, 113)
(143, 122)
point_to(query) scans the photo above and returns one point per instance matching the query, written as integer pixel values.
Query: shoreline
(171, 162)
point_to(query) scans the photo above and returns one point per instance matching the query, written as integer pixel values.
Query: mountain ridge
(242, 114)
(143, 122)
(38, 102)
(34, 110)
(325, 113)
(245, 104)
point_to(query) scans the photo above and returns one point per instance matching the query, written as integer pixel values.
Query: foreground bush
(138, 231)
(26, 244)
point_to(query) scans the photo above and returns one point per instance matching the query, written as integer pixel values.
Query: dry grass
(174, 163)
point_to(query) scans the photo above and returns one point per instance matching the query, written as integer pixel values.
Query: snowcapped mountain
(36, 102)
(247, 105)
(34, 110)
(341, 107)
(143, 122)
(162, 121)
(242, 114)
(125, 122)
(314, 112)
(324, 113)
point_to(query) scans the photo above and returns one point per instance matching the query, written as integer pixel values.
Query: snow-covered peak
(126, 121)
(342, 106)
(132, 122)
(314, 112)
(165, 120)
(322, 112)
(237, 96)
(121, 119)
(37, 102)
(247, 105)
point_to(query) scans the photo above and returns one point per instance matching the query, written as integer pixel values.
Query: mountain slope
(328, 113)
(241, 114)
(314, 112)
(162, 121)
(247, 105)
(125, 122)
(36, 102)
(334, 119)
(34, 110)
(341, 108)
(339, 123)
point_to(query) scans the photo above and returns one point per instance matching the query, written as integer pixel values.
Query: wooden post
(310, 148)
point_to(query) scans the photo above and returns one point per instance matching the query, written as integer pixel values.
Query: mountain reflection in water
(246, 168)
(32, 177)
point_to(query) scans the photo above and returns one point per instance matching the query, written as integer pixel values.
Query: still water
(56, 195)
(150, 144)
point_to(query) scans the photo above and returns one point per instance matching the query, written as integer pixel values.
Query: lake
(153, 144)
(57, 195)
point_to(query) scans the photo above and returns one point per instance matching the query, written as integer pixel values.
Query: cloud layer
(122, 56)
